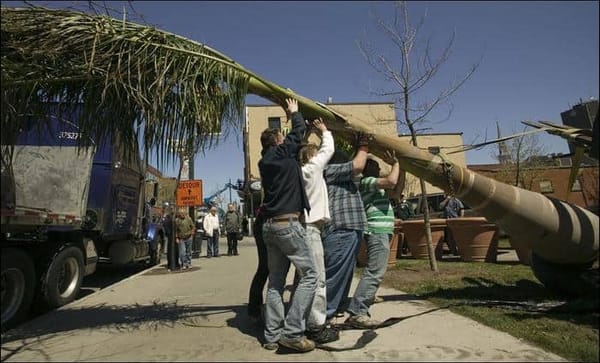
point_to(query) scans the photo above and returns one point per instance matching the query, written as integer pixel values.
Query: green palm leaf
(125, 75)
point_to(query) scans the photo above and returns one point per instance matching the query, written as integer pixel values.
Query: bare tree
(409, 74)
(522, 163)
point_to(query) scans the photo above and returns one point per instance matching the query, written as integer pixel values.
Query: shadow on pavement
(119, 318)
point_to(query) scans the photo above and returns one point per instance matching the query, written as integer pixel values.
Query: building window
(274, 122)
(576, 186)
(546, 186)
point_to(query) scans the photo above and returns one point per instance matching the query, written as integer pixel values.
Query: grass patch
(506, 297)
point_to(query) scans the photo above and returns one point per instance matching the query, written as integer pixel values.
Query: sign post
(189, 193)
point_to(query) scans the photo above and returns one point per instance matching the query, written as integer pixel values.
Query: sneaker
(271, 346)
(323, 335)
(362, 322)
(300, 345)
(378, 299)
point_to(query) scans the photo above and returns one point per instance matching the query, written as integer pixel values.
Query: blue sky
(538, 59)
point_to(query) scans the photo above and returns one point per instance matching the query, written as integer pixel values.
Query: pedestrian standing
(184, 233)
(285, 237)
(172, 246)
(405, 211)
(453, 208)
(233, 228)
(212, 228)
(375, 192)
(255, 296)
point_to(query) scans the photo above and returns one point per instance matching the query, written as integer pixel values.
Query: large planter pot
(416, 239)
(476, 238)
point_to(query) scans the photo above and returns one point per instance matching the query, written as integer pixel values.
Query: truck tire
(18, 287)
(61, 283)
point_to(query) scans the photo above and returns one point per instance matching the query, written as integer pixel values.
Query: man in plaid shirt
(343, 232)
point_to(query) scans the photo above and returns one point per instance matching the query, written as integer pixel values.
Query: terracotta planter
(476, 239)
(414, 233)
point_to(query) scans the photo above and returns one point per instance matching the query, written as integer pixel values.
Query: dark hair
(268, 137)
(339, 157)
(372, 168)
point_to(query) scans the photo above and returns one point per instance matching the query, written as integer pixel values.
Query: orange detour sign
(189, 193)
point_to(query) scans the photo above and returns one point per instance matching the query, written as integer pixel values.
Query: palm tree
(128, 75)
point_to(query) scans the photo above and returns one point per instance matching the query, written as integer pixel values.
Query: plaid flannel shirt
(345, 204)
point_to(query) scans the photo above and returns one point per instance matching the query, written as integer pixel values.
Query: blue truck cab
(63, 209)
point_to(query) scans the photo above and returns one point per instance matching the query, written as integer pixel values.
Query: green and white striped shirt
(380, 215)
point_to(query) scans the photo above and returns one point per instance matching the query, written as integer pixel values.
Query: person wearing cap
(184, 234)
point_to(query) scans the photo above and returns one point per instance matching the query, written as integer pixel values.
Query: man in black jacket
(283, 205)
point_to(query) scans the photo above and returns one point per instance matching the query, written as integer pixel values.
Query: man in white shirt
(212, 230)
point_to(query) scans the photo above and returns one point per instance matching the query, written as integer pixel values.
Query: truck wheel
(18, 287)
(63, 279)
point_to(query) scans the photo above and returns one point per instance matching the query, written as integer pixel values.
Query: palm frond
(126, 76)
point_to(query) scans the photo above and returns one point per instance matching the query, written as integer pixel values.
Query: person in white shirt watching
(212, 229)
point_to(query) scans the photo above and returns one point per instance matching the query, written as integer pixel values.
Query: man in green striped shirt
(376, 192)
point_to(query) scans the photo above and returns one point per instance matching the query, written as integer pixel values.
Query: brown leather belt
(290, 217)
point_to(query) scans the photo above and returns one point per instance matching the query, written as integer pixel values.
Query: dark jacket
(281, 175)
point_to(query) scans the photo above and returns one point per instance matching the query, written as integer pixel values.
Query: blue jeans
(212, 244)
(318, 311)
(340, 248)
(286, 243)
(185, 252)
(378, 252)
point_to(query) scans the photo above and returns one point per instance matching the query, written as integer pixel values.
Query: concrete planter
(416, 239)
(476, 239)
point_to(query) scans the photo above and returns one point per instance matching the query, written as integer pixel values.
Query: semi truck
(64, 209)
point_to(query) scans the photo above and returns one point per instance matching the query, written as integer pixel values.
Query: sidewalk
(200, 315)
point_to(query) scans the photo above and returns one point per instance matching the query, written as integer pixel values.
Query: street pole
(191, 177)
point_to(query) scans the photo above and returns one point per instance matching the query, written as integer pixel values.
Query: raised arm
(298, 125)
(389, 181)
(397, 177)
(360, 159)
(327, 145)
